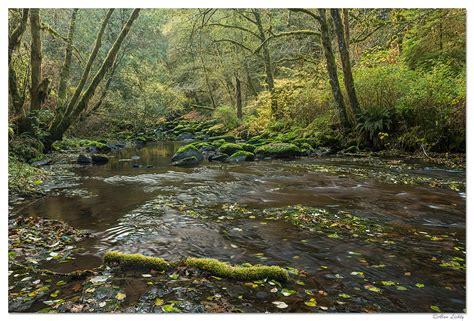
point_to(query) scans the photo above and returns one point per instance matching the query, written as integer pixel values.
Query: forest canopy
(369, 78)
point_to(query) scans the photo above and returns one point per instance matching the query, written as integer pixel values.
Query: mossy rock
(187, 151)
(224, 270)
(218, 143)
(278, 150)
(229, 148)
(248, 147)
(188, 161)
(227, 138)
(306, 149)
(241, 155)
(136, 261)
(203, 146)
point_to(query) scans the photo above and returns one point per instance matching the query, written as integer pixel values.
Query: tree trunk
(346, 63)
(238, 98)
(66, 68)
(36, 59)
(267, 62)
(57, 132)
(332, 69)
(64, 112)
(345, 18)
(17, 99)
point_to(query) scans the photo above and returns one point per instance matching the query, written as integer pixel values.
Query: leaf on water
(401, 288)
(323, 308)
(300, 282)
(54, 294)
(120, 296)
(280, 304)
(252, 217)
(407, 273)
(435, 308)
(102, 304)
(359, 274)
(420, 285)
(372, 288)
(159, 301)
(388, 283)
(311, 303)
(344, 296)
(146, 275)
(233, 246)
(99, 279)
(174, 276)
(62, 282)
(170, 308)
(216, 277)
(333, 236)
(287, 292)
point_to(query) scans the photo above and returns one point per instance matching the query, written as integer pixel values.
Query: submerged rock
(187, 152)
(185, 136)
(83, 159)
(99, 159)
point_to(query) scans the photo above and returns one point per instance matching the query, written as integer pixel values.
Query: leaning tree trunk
(267, 60)
(66, 68)
(346, 62)
(238, 98)
(64, 111)
(57, 132)
(332, 69)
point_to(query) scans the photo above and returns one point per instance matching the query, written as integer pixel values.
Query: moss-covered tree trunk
(238, 98)
(332, 69)
(35, 60)
(66, 68)
(346, 62)
(73, 112)
(17, 99)
(267, 60)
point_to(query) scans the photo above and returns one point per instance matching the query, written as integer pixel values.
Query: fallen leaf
(280, 304)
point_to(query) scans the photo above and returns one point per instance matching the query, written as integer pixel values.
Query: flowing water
(414, 218)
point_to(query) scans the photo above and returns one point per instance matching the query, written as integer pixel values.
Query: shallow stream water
(171, 212)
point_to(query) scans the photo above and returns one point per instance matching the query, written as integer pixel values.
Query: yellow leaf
(120, 296)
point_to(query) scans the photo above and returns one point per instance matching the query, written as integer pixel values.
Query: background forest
(350, 79)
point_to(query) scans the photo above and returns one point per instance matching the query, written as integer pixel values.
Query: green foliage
(227, 116)
(372, 122)
(26, 147)
(24, 178)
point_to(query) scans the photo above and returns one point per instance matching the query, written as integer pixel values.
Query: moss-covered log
(136, 261)
(213, 266)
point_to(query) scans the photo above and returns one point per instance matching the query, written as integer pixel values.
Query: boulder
(229, 148)
(188, 161)
(278, 150)
(219, 157)
(186, 152)
(83, 159)
(185, 136)
(240, 156)
(99, 159)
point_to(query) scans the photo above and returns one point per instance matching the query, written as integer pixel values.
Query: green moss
(213, 266)
(203, 145)
(185, 148)
(248, 147)
(225, 270)
(230, 148)
(227, 138)
(278, 150)
(217, 143)
(24, 178)
(136, 261)
(248, 155)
